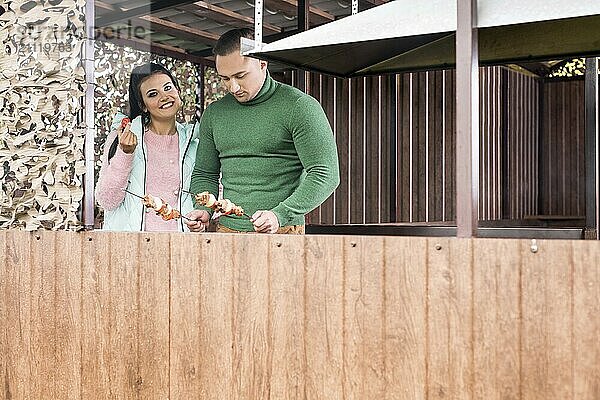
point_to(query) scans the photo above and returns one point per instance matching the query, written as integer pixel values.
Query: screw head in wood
(534, 246)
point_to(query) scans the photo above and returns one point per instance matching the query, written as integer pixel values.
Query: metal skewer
(141, 197)
(193, 194)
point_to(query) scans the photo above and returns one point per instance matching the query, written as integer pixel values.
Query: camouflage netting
(41, 130)
(113, 65)
(574, 67)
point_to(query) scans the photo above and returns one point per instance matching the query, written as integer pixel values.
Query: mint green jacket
(130, 214)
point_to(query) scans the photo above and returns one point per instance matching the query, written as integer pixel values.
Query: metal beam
(445, 231)
(467, 119)
(317, 16)
(180, 31)
(156, 24)
(592, 198)
(156, 48)
(223, 15)
(373, 3)
(150, 8)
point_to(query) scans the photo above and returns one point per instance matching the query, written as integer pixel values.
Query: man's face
(243, 76)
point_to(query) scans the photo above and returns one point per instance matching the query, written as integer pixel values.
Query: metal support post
(467, 119)
(592, 218)
(90, 126)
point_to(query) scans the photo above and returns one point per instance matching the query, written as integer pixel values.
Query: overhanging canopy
(406, 35)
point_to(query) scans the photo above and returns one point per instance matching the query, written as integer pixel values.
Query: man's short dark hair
(230, 41)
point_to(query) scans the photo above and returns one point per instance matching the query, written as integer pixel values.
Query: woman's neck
(166, 127)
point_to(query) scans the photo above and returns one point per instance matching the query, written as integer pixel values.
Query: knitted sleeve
(205, 177)
(114, 174)
(317, 151)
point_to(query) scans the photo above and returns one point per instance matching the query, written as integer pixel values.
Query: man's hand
(198, 220)
(265, 221)
(127, 139)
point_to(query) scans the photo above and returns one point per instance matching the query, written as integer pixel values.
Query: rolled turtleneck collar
(268, 89)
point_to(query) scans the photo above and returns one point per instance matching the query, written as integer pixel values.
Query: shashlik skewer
(224, 206)
(161, 207)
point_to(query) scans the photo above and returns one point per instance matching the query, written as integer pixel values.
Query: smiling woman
(151, 154)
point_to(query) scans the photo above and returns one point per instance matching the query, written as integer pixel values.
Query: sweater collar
(265, 93)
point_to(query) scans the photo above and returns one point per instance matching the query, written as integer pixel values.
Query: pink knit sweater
(162, 177)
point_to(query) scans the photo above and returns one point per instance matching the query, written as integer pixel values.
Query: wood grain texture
(185, 352)
(15, 312)
(5, 384)
(96, 306)
(252, 341)
(324, 321)
(287, 319)
(123, 319)
(67, 317)
(547, 314)
(153, 316)
(586, 320)
(99, 315)
(216, 338)
(405, 318)
(42, 318)
(497, 316)
(450, 319)
(364, 316)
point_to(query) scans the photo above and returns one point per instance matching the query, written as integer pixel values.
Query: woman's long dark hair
(136, 101)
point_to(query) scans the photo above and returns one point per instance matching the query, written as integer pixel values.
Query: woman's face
(160, 96)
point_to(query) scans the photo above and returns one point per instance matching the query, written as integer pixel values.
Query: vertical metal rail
(467, 119)
(90, 126)
(303, 10)
(592, 198)
(258, 23)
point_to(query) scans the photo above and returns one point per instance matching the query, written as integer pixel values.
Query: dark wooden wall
(521, 110)
(396, 142)
(562, 182)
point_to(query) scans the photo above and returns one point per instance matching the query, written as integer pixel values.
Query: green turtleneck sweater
(275, 152)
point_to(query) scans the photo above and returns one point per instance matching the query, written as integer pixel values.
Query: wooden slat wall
(396, 142)
(490, 139)
(562, 163)
(152, 316)
(522, 138)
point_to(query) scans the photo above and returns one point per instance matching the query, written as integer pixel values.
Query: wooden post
(467, 119)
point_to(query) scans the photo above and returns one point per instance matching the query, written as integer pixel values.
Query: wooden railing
(181, 316)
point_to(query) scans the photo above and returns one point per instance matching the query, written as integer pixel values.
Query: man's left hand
(265, 221)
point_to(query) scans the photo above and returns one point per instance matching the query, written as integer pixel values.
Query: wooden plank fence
(99, 315)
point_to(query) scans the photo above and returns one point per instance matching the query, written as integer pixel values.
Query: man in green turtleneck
(271, 143)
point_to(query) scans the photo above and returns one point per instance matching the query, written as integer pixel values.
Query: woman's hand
(127, 139)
